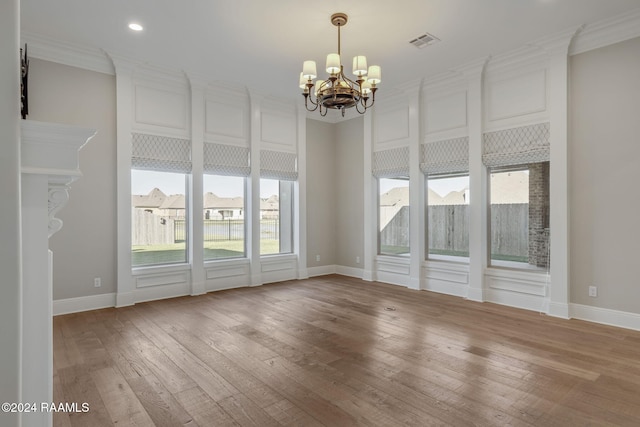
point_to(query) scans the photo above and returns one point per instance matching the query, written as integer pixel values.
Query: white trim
(620, 319)
(607, 32)
(155, 293)
(447, 288)
(557, 309)
(73, 55)
(322, 270)
(516, 300)
(76, 305)
(350, 272)
(605, 316)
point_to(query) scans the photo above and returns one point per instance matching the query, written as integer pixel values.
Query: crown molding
(445, 78)
(71, 54)
(557, 44)
(607, 32)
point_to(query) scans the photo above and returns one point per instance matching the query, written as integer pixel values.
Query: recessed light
(135, 27)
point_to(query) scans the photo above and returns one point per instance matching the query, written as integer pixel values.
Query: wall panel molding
(516, 96)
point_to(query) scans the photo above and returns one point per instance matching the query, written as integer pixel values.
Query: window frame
(187, 222)
(245, 225)
(290, 224)
(406, 254)
(510, 264)
(440, 257)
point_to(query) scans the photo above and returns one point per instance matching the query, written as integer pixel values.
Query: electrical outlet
(593, 291)
(318, 258)
(97, 282)
(357, 260)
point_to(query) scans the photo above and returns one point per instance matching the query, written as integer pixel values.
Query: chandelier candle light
(339, 92)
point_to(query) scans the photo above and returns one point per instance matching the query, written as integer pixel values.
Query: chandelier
(338, 92)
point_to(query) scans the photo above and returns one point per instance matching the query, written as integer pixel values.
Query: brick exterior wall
(539, 214)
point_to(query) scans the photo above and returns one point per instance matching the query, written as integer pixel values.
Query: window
(393, 217)
(158, 221)
(276, 216)
(518, 164)
(223, 216)
(520, 216)
(448, 217)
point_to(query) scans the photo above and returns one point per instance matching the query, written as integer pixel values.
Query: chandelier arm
(373, 98)
(326, 110)
(358, 108)
(351, 83)
(306, 105)
(312, 101)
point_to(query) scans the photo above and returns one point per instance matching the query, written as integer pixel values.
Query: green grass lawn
(394, 250)
(176, 253)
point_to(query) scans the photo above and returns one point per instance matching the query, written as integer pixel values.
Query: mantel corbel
(52, 150)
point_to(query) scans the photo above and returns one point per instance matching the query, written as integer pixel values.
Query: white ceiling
(262, 43)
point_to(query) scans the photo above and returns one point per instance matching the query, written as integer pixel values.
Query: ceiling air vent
(424, 40)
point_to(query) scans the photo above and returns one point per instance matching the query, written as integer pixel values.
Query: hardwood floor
(338, 351)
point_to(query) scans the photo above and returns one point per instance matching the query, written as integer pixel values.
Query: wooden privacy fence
(449, 229)
(150, 229)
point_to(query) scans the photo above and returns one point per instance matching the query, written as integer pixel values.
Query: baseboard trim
(76, 305)
(321, 270)
(605, 316)
(350, 271)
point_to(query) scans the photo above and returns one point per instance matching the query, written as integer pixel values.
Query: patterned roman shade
(222, 159)
(445, 157)
(391, 163)
(517, 146)
(278, 165)
(160, 153)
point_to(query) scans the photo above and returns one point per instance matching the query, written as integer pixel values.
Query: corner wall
(10, 249)
(349, 194)
(322, 213)
(86, 246)
(604, 162)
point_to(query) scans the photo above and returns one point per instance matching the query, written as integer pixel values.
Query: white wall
(85, 248)
(323, 214)
(604, 153)
(349, 192)
(10, 251)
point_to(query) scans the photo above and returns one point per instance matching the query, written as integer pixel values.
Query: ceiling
(262, 44)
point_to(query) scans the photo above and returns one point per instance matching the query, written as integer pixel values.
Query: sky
(440, 186)
(142, 182)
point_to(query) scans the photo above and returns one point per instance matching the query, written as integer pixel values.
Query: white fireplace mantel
(49, 164)
(52, 150)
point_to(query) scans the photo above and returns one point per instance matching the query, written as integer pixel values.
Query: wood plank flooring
(337, 351)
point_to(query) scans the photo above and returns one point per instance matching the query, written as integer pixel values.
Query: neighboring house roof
(212, 201)
(175, 201)
(452, 198)
(154, 199)
(270, 204)
(506, 188)
(398, 196)
(157, 199)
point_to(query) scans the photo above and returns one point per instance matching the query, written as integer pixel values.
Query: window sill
(211, 263)
(276, 257)
(514, 265)
(448, 259)
(141, 271)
